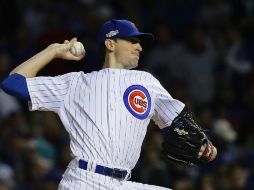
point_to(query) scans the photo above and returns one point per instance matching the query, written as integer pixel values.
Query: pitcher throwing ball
(106, 112)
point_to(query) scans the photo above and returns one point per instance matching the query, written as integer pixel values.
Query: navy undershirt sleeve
(15, 85)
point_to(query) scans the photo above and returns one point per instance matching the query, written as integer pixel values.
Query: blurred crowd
(203, 54)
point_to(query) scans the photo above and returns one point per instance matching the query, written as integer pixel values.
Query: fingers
(214, 153)
(63, 50)
(70, 43)
(202, 149)
(66, 46)
(208, 151)
(77, 58)
(73, 40)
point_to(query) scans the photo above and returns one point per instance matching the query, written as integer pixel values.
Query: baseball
(77, 49)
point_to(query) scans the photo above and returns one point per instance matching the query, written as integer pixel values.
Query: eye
(133, 40)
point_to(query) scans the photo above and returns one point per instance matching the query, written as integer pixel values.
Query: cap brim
(148, 37)
(144, 37)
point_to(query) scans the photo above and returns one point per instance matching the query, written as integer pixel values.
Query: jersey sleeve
(166, 108)
(48, 93)
(15, 85)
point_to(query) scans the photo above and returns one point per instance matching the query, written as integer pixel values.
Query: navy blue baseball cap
(121, 29)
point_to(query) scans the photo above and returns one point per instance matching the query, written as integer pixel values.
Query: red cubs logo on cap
(137, 100)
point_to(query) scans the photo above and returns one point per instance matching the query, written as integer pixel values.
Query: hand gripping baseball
(65, 50)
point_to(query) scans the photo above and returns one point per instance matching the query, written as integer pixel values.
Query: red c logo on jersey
(138, 101)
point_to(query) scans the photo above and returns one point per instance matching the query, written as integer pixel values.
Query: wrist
(214, 153)
(51, 51)
(210, 151)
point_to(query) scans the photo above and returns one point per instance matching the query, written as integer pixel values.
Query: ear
(110, 44)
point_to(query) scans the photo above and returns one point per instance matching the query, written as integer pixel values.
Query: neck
(110, 62)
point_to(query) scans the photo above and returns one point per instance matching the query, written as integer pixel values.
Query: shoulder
(144, 74)
(70, 75)
(150, 77)
(145, 78)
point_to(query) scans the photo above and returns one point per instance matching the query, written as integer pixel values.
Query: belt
(112, 172)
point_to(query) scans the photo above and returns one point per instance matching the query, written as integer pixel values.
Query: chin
(132, 65)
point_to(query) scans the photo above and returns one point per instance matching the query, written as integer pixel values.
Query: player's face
(127, 52)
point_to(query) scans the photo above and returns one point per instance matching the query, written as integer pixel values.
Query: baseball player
(105, 112)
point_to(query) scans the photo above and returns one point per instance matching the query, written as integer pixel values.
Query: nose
(139, 47)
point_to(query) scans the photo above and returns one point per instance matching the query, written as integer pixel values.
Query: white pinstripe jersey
(106, 112)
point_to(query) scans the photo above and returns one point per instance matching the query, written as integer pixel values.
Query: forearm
(32, 66)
